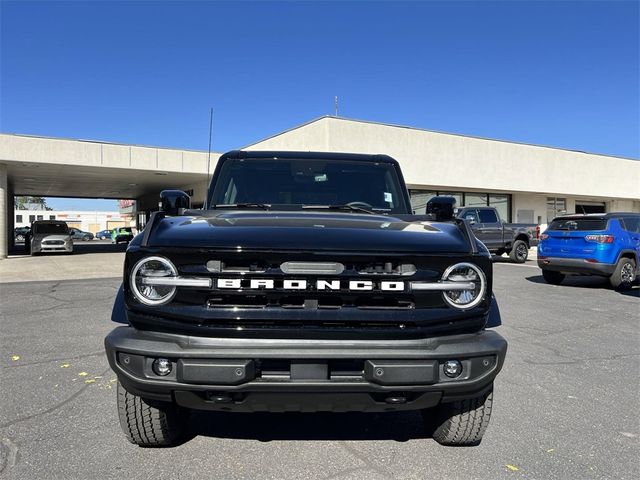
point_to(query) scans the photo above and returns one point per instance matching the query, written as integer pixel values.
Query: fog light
(452, 368)
(161, 366)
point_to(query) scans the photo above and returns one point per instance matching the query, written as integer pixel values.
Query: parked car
(49, 236)
(307, 285)
(78, 234)
(597, 244)
(498, 236)
(20, 233)
(103, 234)
(121, 234)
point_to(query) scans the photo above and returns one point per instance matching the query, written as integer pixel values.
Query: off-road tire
(460, 423)
(620, 279)
(554, 278)
(519, 251)
(149, 424)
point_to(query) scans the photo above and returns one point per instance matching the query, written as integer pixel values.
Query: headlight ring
(150, 267)
(465, 272)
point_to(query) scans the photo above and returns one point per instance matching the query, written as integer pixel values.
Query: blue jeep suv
(595, 244)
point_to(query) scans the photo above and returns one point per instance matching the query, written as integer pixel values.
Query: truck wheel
(519, 251)
(554, 278)
(460, 423)
(149, 424)
(624, 274)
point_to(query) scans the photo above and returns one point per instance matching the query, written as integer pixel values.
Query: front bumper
(575, 265)
(52, 248)
(243, 374)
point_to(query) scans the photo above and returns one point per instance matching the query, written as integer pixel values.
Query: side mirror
(174, 202)
(441, 208)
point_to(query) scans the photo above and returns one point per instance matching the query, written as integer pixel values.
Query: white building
(88, 221)
(527, 183)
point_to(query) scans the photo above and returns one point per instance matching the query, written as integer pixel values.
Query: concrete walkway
(85, 263)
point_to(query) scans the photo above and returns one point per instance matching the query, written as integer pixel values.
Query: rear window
(578, 224)
(51, 228)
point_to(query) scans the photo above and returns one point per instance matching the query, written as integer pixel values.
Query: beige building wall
(440, 160)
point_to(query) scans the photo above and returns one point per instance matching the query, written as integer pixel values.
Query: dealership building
(526, 183)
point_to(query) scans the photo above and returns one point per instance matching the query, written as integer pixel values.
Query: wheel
(624, 275)
(149, 424)
(554, 278)
(86, 238)
(460, 423)
(519, 252)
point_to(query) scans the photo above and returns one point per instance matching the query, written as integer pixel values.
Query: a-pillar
(4, 213)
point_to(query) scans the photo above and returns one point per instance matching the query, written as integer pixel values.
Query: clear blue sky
(564, 74)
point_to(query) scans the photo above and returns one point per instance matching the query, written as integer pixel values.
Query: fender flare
(494, 319)
(119, 311)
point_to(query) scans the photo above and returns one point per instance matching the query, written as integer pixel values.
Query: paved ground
(567, 400)
(93, 259)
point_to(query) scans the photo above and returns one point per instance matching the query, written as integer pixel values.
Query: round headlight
(142, 280)
(469, 274)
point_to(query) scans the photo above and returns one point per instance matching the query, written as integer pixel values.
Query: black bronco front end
(252, 307)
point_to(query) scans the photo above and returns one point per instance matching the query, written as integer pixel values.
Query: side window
(471, 215)
(488, 216)
(631, 224)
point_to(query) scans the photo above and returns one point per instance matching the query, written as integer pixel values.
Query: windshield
(293, 183)
(578, 224)
(51, 228)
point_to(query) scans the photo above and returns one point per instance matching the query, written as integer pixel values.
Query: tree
(31, 203)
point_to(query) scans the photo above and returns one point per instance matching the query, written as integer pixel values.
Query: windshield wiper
(345, 206)
(264, 206)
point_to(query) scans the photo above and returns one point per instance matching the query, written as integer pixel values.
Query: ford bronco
(305, 284)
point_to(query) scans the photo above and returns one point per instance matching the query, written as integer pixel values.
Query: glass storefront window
(419, 199)
(475, 199)
(501, 204)
(555, 207)
(456, 195)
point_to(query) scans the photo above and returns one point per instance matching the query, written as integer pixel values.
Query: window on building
(502, 204)
(52, 217)
(475, 199)
(18, 218)
(32, 218)
(419, 199)
(40, 217)
(555, 207)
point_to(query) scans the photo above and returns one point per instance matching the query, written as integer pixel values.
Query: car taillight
(543, 236)
(537, 231)
(599, 238)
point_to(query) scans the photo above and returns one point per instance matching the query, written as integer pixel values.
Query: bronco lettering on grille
(324, 285)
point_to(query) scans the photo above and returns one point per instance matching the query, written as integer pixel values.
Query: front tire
(554, 278)
(519, 251)
(624, 274)
(149, 424)
(460, 423)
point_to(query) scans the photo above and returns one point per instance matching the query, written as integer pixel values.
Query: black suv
(306, 284)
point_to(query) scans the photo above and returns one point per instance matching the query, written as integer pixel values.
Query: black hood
(308, 231)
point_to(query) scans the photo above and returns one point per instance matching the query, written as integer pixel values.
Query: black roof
(596, 215)
(270, 154)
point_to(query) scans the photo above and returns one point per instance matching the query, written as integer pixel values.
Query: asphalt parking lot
(566, 403)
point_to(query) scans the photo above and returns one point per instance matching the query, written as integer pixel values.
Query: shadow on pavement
(587, 282)
(265, 427)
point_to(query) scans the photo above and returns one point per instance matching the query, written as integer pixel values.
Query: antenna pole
(206, 186)
(335, 101)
